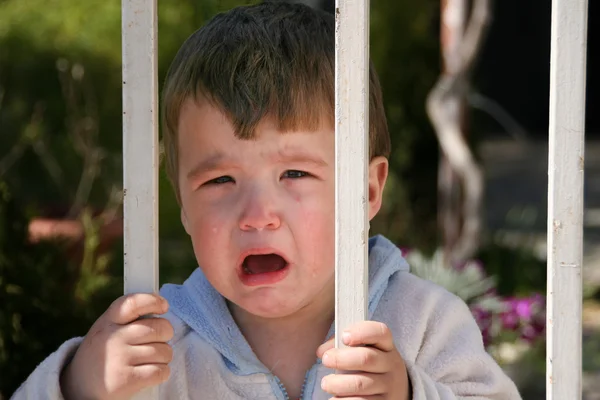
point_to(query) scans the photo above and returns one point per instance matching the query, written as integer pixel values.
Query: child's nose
(259, 213)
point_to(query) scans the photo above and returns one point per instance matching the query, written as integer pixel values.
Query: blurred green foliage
(46, 297)
(405, 50)
(518, 271)
(60, 154)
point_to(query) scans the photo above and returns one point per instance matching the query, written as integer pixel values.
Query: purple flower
(523, 308)
(404, 251)
(482, 317)
(523, 316)
(529, 333)
(509, 320)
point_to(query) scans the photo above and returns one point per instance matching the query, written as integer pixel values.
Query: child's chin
(271, 308)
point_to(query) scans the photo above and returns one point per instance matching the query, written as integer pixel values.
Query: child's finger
(148, 375)
(369, 333)
(366, 359)
(344, 385)
(147, 330)
(330, 344)
(152, 353)
(129, 308)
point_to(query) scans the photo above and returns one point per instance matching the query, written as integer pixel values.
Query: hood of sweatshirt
(204, 310)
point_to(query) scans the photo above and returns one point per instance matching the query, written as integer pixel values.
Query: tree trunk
(460, 177)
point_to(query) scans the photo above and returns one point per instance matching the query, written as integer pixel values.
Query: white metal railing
(565, 186)
(140, 149)
(351, 162)
(565, 198)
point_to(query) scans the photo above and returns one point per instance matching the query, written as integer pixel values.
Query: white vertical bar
(140, 145)
(140, 149)
(565, 198)
(352, 160)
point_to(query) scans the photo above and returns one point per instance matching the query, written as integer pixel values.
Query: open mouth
(263, 263)
(263, 269)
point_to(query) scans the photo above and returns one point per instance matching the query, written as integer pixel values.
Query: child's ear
(378, 172)
(184, 221)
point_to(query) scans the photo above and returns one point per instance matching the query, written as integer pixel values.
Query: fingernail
(325, 358)
(346, 337)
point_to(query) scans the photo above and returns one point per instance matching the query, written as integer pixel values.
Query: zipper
(304, 385)
(286, 396)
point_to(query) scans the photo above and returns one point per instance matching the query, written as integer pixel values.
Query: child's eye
(220, 180)
(294, 174)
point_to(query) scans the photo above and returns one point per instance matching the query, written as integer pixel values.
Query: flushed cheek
(209, 217)
(316, 233)
(210, 242)
(215, 229)
(207, 233)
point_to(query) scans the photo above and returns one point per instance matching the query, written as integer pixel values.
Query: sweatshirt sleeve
(452, 362)
(44, 381)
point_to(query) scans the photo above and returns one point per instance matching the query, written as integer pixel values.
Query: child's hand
(121, 354)
(373, 367)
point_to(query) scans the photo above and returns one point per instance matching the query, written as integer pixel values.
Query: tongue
(260, 264)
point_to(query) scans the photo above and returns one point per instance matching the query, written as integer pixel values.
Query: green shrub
(46, 298)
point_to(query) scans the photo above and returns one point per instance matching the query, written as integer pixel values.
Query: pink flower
(523, 308)
(509, 320)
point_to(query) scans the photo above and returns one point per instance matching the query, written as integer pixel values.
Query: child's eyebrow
(215, 161)
(220, 161)
(299, 156)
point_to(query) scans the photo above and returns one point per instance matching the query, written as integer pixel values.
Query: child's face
(260, 212)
